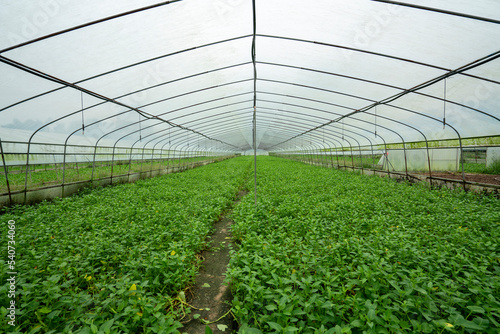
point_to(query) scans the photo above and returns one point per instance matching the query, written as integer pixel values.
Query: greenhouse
(335, 162)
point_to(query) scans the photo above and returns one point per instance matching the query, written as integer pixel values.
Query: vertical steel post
(26, 173)
(406, 161)
(462, 158)
(64, 169)
(428, 158)
(254, 100)
(255, 153)
(6, 172)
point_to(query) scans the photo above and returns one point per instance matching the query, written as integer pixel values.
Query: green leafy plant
(116, 259)
(326, 251)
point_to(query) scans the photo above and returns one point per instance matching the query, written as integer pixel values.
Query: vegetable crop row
(327, 251)
(115, 259)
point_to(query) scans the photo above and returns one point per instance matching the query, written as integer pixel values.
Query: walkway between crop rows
(211, 297)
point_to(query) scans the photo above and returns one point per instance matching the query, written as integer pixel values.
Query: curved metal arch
(238, 128)
(402, 89)
(173, 137)
(457, 132)
(491, 56)
(385, 144)
(332, 137)
(137, 122)
(384, 117)
(64, 31)
(386, 128)
(197, 91)
(425, 137)
(287, 111)
(191, 113)
(212, 108)
(272, 124)
(130, 124)
(386, 102)
(322, 137)
(219, 122)
(135, 131)
(440, 11)
(351, 125)
(158, 139)
(51, 78)
(219, 114)
(357, 119)
(48, 77)
(231, 129)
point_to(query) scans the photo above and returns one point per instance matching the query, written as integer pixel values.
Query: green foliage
(494, 168)
(481, 168)
(52, 174)
(115, 259)
(332, 252)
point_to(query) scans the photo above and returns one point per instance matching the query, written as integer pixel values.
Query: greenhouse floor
(479, 178)
(211, 295)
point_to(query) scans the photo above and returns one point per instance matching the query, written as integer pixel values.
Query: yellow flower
(132, 288)
(139, 314)
(172, 253)
(293, 271)
(449, 325)
(88, 278)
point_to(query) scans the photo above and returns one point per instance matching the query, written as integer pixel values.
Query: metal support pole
(6, 172)
(254, 100)
(255, 153)
(64, 169)
(462, 158)
(112, 164)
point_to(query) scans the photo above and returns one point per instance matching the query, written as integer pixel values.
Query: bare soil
(479, 178)
(211, 295)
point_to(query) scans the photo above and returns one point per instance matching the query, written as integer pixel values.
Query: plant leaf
(275, 325)
(476, 309)
(222, 328)
(44, 310)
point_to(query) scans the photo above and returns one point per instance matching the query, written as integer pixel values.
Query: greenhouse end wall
(492, 156)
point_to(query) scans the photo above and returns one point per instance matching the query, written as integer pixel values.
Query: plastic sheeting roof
(327, 72)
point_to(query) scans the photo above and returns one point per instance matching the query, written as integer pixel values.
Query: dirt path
(211, 293)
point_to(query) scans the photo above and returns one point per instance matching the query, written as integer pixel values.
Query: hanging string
(444, 105)
(140, 128)
(375, 121)
(342, 129)
(83, 121)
